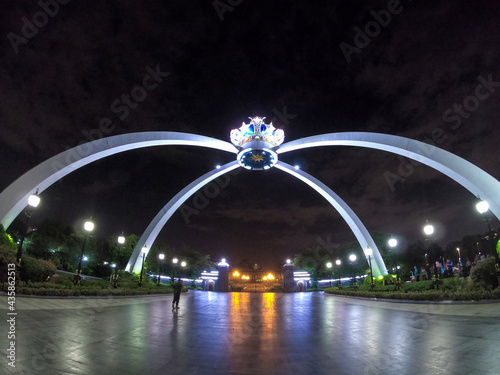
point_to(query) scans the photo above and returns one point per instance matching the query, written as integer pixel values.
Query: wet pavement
(250, 333)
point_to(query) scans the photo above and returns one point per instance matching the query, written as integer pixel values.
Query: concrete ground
(250, 333)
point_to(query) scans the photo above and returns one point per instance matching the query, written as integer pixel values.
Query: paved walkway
(251, 333)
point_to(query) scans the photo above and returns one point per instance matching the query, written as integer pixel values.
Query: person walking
(177, 293)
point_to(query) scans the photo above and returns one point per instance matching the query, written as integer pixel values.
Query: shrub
(7, 256)
(483, 273)
(6, 240)
(36, 269)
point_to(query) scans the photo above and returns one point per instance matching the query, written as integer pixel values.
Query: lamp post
(183, 265)
(483, 207)
(329, 266)
(459, 257)
(161, 256)
(369, 252)
(89, 227)
(33, 201)
(429, 231)
(144, 250)
(174, 261)
(353, 258)
(338, 262)
(114, 275)
(398, 280)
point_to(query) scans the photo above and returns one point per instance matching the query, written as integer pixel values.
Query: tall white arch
(159, 221)
(15, 197)
(364, 238)
(473, 178)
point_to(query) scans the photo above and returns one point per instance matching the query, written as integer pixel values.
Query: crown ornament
(257, 130)
(257, 142)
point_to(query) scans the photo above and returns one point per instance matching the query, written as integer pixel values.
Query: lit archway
(149, 236)
(257, 146)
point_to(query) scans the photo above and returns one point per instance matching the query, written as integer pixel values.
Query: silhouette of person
(177, 293)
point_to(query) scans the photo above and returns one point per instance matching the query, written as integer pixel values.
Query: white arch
(15, 197)
(159, 221)
(154, 228)
(364, 238)
(473, 178)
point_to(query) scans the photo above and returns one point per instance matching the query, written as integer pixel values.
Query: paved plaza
(251, 333)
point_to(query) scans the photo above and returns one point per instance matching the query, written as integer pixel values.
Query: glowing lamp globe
(33, 200)
(88, 226)
(338, 262)
(329, 265)
(121, 240)
(161, 256)
(369, 251)
(428, 229)
(482, 207)
(393, 242)
(352, 257)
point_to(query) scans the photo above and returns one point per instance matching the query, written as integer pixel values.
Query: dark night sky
(262, 57)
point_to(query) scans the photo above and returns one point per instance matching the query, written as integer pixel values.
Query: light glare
(393, 242)
(33, 200)
(88, 226)
(428, 229)
(482, 207)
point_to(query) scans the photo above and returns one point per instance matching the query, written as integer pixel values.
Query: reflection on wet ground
(253, 333)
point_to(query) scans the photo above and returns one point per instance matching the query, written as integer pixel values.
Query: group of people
(441, 269)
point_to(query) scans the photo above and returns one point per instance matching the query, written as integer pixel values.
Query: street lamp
(329, 266)
(398, 281)
(338, 262)
(392, 242)
(161, 256)
(428, 229)
(369, 252)
(33, 201)
(459, 257)
(114, 275)
(144, 250)
(121, 239)
(89, 227)
(353, 258)
(483, 207)
(174, 261)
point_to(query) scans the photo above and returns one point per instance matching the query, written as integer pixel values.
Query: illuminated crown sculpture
(256, 141)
